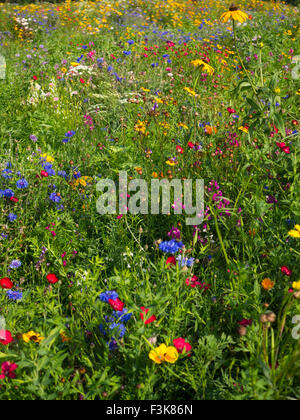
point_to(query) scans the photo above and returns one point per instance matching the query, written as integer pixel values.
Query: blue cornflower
(8, 193)
(123, 316)
(170, 247)
(14, 295)
(130, 42)
(15, 264)
(126, 52)
(112, 344)
(109, 294)
(54, 197)
(188, 262)
(120, 329)
(70, 133)
(22, 183)
(12, 217)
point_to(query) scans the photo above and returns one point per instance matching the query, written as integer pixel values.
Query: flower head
(267, 284)
(235, 14)
(32, 336)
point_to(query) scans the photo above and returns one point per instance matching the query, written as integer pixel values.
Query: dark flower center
(233, 8)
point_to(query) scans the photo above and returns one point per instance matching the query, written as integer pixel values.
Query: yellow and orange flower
(32, 336)
(267, 284)
(164, 354)
(235, 14)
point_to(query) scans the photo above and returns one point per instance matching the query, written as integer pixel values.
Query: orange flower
(268, 284)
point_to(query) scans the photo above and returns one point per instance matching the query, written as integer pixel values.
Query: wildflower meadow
(149, 200)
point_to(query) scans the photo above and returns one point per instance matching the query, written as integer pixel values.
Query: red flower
(179, 149)
(116, 304)
(14, 199)
(191, 145)
(286, 271)
(82, 80)
(6, 283)
(52, 278)
(44, 174)
(7, 370)
(182, 345)
(34, 77)
(284, 148)
(5, 337)
(231, 110)
(193, 282)
(171, 261)
(246, 322)
(144, 312)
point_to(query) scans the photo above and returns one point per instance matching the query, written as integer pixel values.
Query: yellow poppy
(164, 354)
(158, 355)
(234, 14)
(171, 354)
(296, 285)
(295, 233)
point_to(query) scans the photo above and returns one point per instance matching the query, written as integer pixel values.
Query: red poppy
(286, 271)
(52, 278)
(116, 304)
(6, 283)
(82, 80)
(179, 149)
(144, 312)
(5, 337)
(171, 260)
(182, 345)
(34, 77)
(231, 110)
(14, 199)
(44, 174)
(191, 145)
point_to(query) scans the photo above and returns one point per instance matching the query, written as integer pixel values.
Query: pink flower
(182, 345)
(7, 370)
(5, 337)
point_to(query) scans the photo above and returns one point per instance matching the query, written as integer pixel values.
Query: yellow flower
(190, 91)
(164, 354)
(268, 284)
(171, 354)
(244, 129)
(206, 67)
(277, 90)
(234, 14)
(158, 355)
(170, 162)
(296, 285)
(295, 233)
(32, 336)
(48, 158)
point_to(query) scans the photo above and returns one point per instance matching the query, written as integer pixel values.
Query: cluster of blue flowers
(14, 295)
(114, 323)
(68, 136)
(170, 247)
(188, 262)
